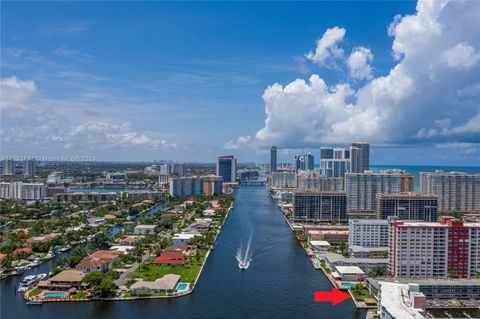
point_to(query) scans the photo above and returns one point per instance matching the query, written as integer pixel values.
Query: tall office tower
(314, 181)
(448, 248)
(456, 191)
(365, 154)
(227, 168)
(309, 162)
(8, 166)
(326, 153)
(356, 160)
(334, 167)
(186, 186)
(362, 188)
(283, 180)
(407, 206)
(177, 169)
(319, 207)
(273, 159)
(296, 163)
(29, 166)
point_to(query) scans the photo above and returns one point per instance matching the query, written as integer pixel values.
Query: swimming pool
(348, 284)
(54, 294)
(182, 286)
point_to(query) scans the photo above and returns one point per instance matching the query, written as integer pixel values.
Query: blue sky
(186, 81)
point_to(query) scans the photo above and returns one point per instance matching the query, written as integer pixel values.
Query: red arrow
(335, 296)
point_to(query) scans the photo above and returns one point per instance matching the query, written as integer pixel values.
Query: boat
(28, 279)
(35, 302)
(22, 288)
(66, 248)
(35, 263)
(18, 271)
(41, 276)
(50, 255)
(243, 264)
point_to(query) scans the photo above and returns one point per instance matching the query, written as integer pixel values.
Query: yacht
(35, 263)
(50, 255)
(66, 248)
(41, 276)
(243, 264)
(28, 279)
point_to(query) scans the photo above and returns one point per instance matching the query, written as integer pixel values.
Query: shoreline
(33, 299)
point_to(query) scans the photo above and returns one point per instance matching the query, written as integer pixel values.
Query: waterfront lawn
(81, 295)
(188, 273)
(360, 292)
(34, 292)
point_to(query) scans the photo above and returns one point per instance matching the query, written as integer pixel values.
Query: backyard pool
(54, 294)
(182, 286)
(348, 284)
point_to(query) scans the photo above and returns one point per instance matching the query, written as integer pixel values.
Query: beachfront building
(362, 189)
(319, 207)
(212, 185)
(445, 249)
(186, 186)
(456, 191)
(283, 180)
(314, 181)
(407, 206)
(22, 191)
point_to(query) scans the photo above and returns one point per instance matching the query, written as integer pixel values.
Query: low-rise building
(145, 229)
(63, 281)
(401, 301)
(349, 273)
(161, 285)
(320, 245)
(101, 260)
(182, 238)
(368, 252)
(171, 259)
(333, 260)
(334, 237)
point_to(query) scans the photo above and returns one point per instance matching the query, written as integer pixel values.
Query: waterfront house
(334, 237)
(182, 238)
(185, 249)
(63, 281)
(144, 229)
(128, 240)
(164, 284)
(25, 250)
(173, 259)
(101, 260)
(320, 245)
(41, 239)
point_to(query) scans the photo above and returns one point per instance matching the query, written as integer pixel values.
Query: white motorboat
(66, 248)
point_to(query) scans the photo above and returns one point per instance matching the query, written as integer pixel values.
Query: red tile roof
(22, 250)
(172, 258)
(104, 254)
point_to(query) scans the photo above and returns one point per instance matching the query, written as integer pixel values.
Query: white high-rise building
(283, 180)
(368, 233)
(54, 178)
(362, 188)
(445, 249)
(8, 166)
(22, 191)
(314, 181)
(29, 166)
(456, 191)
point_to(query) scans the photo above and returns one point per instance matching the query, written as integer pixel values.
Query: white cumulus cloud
(430, 96)
(327, 46)
(359, 63)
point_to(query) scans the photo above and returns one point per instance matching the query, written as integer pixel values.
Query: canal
(279, 282)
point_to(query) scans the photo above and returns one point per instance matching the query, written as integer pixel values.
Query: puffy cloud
(15, 96)
(327, 46)
(430, 96)
(28, 119)
(359, 63)
(240, 142)
(461, 56)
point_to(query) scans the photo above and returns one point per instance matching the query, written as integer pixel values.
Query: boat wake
(244, 256)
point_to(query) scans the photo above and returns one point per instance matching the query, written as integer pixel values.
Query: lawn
(188, 273)
(360, 292)
(34, 292)
(81, 295)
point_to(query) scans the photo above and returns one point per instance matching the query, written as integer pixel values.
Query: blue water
(347, 284)
(54, 294)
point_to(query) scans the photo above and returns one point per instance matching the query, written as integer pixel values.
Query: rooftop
(349, 270)
(68, 275)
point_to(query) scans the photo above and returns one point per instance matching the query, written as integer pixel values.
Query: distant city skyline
(193, 81)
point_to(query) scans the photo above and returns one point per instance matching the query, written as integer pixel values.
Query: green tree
(93, 278)
(106, 288)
